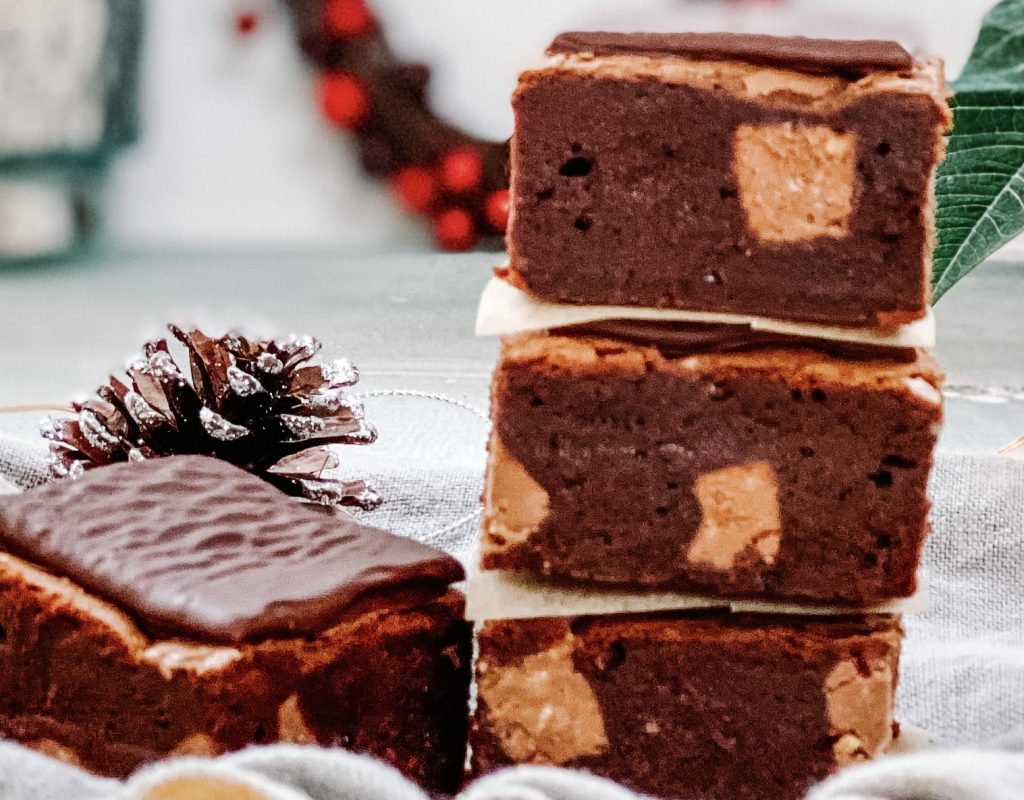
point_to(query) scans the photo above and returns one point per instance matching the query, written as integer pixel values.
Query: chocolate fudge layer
(853, 58)
(784, 177)
(184, 606)
(698, 705)
(776, 473)
(674, 339)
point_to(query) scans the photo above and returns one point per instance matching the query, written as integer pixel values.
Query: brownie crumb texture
(687, 705)
(663, 179)
(83, 683)
(781, 474)
(184, 607)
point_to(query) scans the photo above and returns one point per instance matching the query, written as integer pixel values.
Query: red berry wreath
(457, 181)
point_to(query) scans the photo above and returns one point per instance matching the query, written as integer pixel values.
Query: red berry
(462, 169)
(454, 230)
(347, 19)
(496, 210)
(343, 99)
(246, 23)
(415, 187)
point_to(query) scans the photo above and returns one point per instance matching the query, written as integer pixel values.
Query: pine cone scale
(312, 461)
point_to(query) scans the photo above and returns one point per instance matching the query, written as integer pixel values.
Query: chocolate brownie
(789, 178)
(183, 606)
(697, 705)
(779, 473)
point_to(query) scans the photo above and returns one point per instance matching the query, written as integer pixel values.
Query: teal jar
(68, 105)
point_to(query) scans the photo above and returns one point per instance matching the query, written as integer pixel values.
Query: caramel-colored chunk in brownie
(183, 606)
(780, 473)
(785, 177)
(708, 705)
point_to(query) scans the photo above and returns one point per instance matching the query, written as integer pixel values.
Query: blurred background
(248, 138)
(299, 166)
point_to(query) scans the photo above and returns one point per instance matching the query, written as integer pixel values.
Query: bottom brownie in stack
(702, 705)
(182, 606)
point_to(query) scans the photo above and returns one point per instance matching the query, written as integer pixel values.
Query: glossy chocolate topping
(818, 56)
(194, 545)
(680, 339)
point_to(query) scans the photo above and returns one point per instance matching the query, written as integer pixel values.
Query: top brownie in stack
(785, 177)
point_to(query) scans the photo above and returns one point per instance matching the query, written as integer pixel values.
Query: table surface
(406, 319)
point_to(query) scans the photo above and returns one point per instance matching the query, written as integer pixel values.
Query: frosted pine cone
(256, 403)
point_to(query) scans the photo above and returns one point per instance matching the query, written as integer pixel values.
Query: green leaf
(980, 185)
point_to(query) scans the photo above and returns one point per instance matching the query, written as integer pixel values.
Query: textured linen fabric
(23, 464)
(962, 673)
(291, 772)
(428, 464)
(939, 775)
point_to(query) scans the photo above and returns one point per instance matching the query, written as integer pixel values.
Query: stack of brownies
(713, 383)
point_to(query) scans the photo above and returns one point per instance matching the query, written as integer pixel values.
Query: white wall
(234, 154)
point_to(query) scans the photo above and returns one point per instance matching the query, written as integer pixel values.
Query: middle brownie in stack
(781, 459)
(783, 473)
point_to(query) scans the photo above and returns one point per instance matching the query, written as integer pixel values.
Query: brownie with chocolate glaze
(687, 704)
(184, 606)
(783, 473)
(784, 177)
